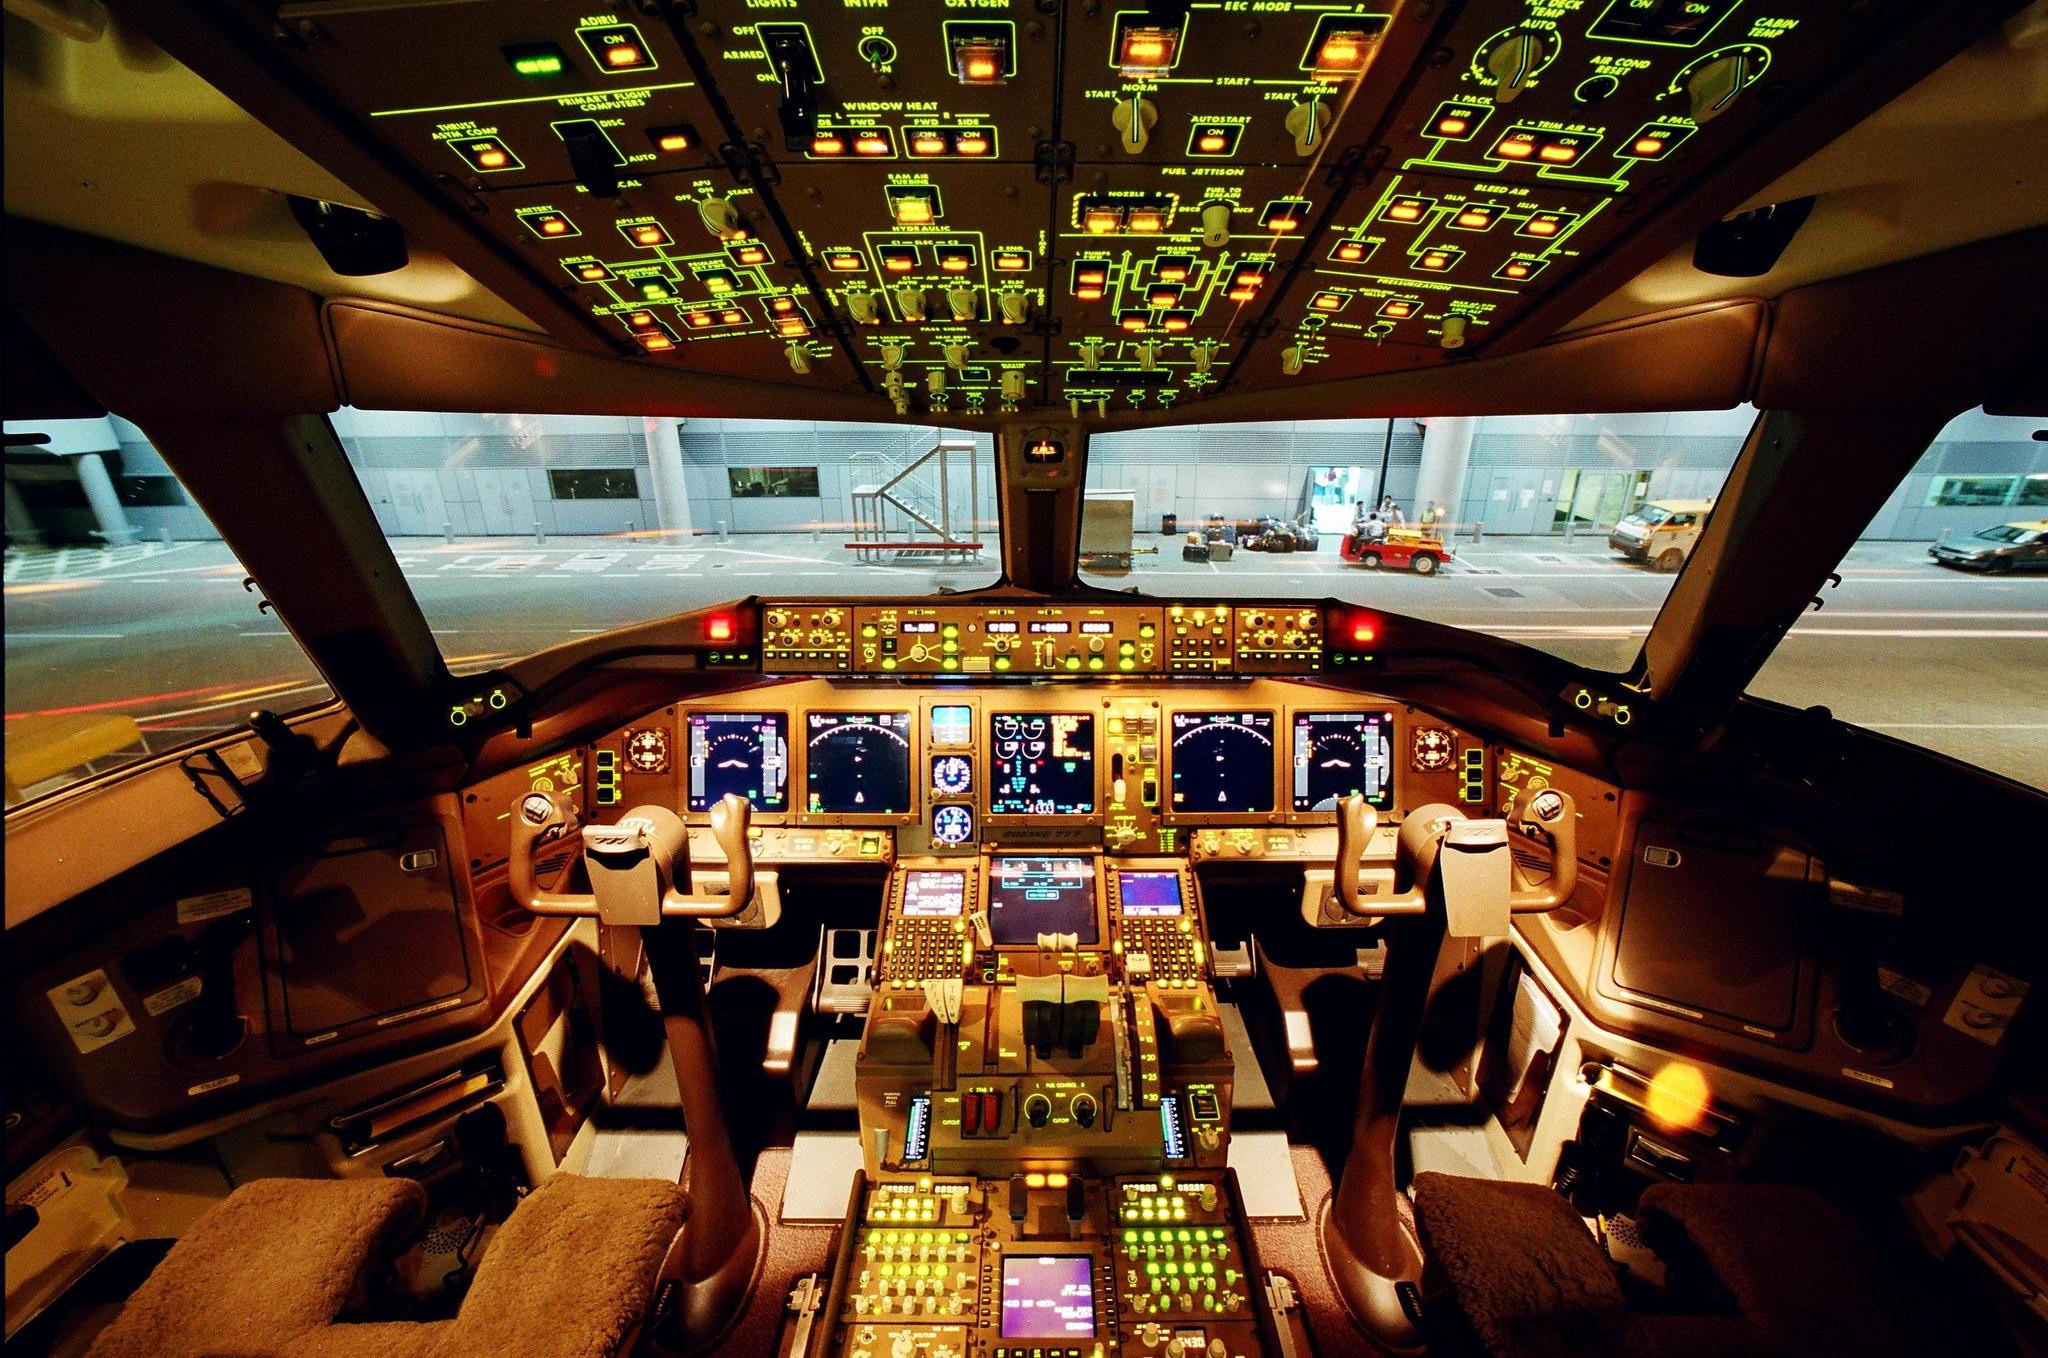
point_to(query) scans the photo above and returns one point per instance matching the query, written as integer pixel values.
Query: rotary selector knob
(1038, 1110)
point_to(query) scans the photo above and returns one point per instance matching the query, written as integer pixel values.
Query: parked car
(1660, 532)
(2019, 546)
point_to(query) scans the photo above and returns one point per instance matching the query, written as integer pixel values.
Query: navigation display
(743, 752)
(858, 763)
(1223, 762)
(1044, 764)
(934, 895)
(1149, 893)
(1048, 1296)
(1041, 895)
(1339, 753)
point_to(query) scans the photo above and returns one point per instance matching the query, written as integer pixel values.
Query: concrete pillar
(22, 530)
(665, 462)
(1446, 457)
(106, 505)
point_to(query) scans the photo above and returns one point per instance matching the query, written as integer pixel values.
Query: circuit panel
(972, 207)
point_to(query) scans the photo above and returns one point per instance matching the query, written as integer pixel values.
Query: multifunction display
(742, 752)
(1033, 896)
(1339, 753)
(1043, 764)
(1223, 762)
(858, 763)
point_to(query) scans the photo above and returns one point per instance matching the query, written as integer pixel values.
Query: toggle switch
(961, 302)
(1091, 353)
(1134, 118)
(1215, 223)
(1514, 64)
(1148, 356)
(592, 158)
(892, 357)
(956, 357)
(1016, 307)
(720, 218)
(799, 358)
(1290, 359)
(910, 303)
(1307, 121)
(861, 306)
(1205, 354)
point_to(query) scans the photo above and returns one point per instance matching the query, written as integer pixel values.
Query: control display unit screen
(1149, 893)
(1044, 764)
(941, 895)
(1048, 1296)
(1339, 753)
(858, 763)
(1041, 895)
(1223, 762)
(743, 752)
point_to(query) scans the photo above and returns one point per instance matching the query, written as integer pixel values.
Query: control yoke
(1429, 831)
(635, 864)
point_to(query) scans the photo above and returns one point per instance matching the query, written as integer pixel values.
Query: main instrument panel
(841, 769)
(971, 209)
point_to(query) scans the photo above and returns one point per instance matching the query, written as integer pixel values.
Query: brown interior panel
(366, 928)
(1711, 920)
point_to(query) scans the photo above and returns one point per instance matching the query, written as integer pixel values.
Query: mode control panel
(1041, 640)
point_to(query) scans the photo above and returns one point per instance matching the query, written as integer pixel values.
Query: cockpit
(1026, 679)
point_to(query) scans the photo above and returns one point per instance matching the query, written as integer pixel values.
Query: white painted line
(67, 636)
(1955, 725)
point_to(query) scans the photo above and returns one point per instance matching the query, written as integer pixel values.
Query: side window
(128, 630)
(1683, 520)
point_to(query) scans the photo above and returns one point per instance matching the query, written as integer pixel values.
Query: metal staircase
(911, 505)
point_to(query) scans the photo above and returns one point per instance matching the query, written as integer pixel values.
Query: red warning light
(1363, 632)
(720, 627)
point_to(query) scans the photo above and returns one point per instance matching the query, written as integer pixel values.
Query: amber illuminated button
(549, 224)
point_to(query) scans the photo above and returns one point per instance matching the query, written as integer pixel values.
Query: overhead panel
(1538, 140)
(966, 209)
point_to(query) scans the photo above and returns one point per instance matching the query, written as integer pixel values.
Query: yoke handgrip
(1421, 843)
(633, 863)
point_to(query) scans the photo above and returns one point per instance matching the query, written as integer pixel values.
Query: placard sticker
(91, 1011)
(1985, 1006)
(171, 996)
(1904, 987)
(214, 904)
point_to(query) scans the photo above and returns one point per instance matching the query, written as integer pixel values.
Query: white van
(1661, 532)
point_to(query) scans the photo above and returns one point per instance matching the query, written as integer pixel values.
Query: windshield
(1510, 525)
(130, 629)
(1922, 641)
(519, 532)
